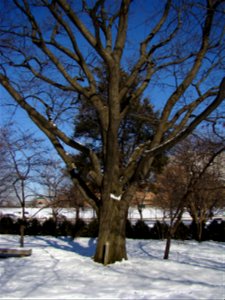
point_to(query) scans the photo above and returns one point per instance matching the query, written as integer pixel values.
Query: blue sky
(138, 29)
(8, 113)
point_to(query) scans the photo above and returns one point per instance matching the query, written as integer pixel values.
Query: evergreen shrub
(129, 230)
(159, 230)
(7, 226)
(92, 229)
(216, 231)
(182, 232)
(193, 228)
(34, 227)
(141, 230)
(49, 227)
(79, 228)
(65, 228)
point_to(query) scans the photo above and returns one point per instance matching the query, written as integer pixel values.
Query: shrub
(159, 230)
(79, 228)
(129, 229)
(182, 232)
(92, 229)
(20, 222)
(7, 226)
(34, 227)
(141, 230)
(216, 231)
(65, 228)
(49, 227)
(194, 232)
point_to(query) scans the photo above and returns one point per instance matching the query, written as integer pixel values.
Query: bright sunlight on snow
(62, 268)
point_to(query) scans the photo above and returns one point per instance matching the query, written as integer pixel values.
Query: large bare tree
(172, 51)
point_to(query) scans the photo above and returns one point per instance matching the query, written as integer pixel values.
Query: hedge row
(49, 227)
(215, 231)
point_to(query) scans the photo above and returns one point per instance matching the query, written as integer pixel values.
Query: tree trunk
(77, 213)
(22, 225)
(199, 231)
(22, 230)
(171, 231)
(167, 248)
(140, 212)
(111, 246)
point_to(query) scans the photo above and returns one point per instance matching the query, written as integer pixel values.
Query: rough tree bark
(111, 245)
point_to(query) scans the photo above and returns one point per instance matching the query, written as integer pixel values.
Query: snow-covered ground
(149, 213)
(45, 213)
(63, 269)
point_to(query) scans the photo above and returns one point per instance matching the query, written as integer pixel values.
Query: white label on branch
(114, 197)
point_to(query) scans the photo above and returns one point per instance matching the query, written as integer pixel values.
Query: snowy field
(63, 269)
(149, 213)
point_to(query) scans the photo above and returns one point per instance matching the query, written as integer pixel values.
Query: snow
(150, 214)
(87, 213)
(62, 268)
(45, 213)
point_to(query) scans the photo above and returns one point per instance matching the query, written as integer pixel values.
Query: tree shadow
(71, 245)
(141, 247)
(185, 258)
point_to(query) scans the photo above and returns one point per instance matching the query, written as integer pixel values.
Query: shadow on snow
(71, 245)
